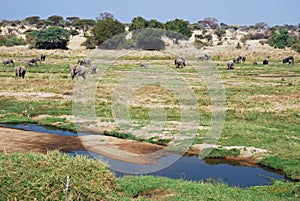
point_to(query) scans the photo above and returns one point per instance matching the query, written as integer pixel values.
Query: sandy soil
(16, 140)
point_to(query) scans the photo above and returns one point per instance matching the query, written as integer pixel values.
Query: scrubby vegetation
(11, 40)
(39, 176)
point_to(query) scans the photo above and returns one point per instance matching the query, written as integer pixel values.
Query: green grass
(222, 153)
(43, 177)
(150, 188)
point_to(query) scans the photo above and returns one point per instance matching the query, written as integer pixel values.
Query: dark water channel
(186, 167)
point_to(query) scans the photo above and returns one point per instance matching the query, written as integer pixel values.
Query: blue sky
(242, 12)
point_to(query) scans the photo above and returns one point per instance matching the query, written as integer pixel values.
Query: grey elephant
(33, 61)
(83, 61)
(43, 57)
(237, 60)
(205, 57)
(8, 61)
(20, 71)
(94, 69)
(243, 59)
(230, 65)
(179, 62)
(78, 71)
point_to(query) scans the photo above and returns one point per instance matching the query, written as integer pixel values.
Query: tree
(281, 40)
(104, 15)
(106, 29)
(138, 23)
(179, 26)
(32, 19)
(72, 19)
(50, 38)
(55, 20)
(84, 24)
(155, 24)
(209, 21)
(261, 25)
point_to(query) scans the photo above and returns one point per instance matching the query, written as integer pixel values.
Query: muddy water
(186, 167)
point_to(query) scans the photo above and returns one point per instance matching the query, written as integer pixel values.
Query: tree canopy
(50, 38)
(179, 26)
(106, 29)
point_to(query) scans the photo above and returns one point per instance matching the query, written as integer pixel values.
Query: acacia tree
(55, 20)
(106, 29)
(209, 21)
(32, 19)
(104, 15)
(50, 38)
(179, 26)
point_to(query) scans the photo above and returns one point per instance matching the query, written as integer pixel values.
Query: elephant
(78, 71)
(142, 65)
(243, 59)
(20, 71)
(206, 57)
(289, 60)
(265, 62)
(83, 61)
(8, 61)
(237, 60)
(179, 62)
(230, 65)
(94, 69)
(43, 57)
(33, 61)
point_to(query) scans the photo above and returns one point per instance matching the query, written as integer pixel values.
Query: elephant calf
(83, 61)
(33, 61)
(43, 57)
(230, 65)
(20, 71)
(94, 69)
(179, 62)
(8, 61)
(78, 71)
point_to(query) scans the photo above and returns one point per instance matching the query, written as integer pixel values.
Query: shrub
(90, 42)
(11, 40)
(220, 33)
(282, 39)
(296, 47)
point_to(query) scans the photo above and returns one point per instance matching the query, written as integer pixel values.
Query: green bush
(282, 39)
(11, 40)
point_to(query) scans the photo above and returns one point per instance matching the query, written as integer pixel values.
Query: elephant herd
(75, 70)
(242, 59)
(81, 69)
